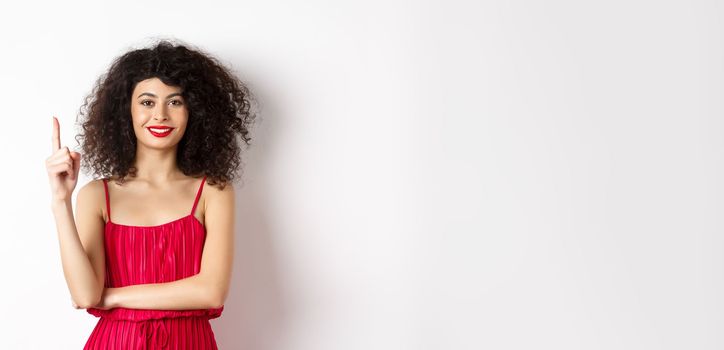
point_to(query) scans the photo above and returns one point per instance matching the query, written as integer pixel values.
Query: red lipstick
(159, 130)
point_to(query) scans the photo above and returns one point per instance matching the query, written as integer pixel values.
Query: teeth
(159, 130)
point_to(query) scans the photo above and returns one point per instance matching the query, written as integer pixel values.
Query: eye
(176, 102)
(144, 102)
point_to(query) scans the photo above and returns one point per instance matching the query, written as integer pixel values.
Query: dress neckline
(111, 223)
(193, 209)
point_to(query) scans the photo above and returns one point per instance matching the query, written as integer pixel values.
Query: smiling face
(159, 114)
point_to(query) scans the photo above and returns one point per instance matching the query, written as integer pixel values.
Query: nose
(160, 112)
(160, 116)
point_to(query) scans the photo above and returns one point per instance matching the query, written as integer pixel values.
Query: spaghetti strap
(108, 202)
(198, 195)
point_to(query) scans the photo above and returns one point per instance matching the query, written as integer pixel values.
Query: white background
(429, 175)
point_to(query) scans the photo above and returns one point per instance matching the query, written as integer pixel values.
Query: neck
(156, 165)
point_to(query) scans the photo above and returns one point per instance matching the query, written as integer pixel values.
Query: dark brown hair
(218, 103)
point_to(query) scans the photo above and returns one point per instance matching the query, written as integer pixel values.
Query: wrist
(112, 298)
(59, 203)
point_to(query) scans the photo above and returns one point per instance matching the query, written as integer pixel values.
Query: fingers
(76, 164)
(56, 134)
(61, 168)
(64, 162)
(63, 153)
(61, 157)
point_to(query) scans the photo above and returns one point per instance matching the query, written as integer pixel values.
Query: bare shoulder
(91, 198)
(216, 194)
(92, 190)
(218, 201)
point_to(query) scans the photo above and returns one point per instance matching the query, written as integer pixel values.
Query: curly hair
(218, 103)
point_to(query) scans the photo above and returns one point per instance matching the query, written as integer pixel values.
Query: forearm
(83, 284)
(185, 294)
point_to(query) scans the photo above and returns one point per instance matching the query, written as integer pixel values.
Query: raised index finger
(56, 134)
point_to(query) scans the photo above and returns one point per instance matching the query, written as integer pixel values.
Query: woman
(150, 249)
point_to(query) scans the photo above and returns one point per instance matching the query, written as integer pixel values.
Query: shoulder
(219, 208)
(92, 189)
(91, 196)
(216, 197)
(216, 193)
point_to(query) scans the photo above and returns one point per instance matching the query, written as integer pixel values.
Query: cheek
(183, 118)
(182, 129)
(136, 114)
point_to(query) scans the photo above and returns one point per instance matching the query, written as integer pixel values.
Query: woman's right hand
(63, 167)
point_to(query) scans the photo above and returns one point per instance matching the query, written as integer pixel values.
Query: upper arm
(90, 225)
(217, 255)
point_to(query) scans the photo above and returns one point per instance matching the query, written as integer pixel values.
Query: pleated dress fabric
(153, 254)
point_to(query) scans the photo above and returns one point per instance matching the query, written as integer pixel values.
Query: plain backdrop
(428, 174)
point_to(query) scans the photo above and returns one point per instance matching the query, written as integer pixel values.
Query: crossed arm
(207, 289)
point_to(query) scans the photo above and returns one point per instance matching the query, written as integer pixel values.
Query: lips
(159, 131)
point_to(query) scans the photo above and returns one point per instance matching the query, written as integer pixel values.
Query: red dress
(153, 254)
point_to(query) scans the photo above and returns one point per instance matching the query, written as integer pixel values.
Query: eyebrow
(152, 95)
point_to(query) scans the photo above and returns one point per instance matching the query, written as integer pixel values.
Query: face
(159, 114)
